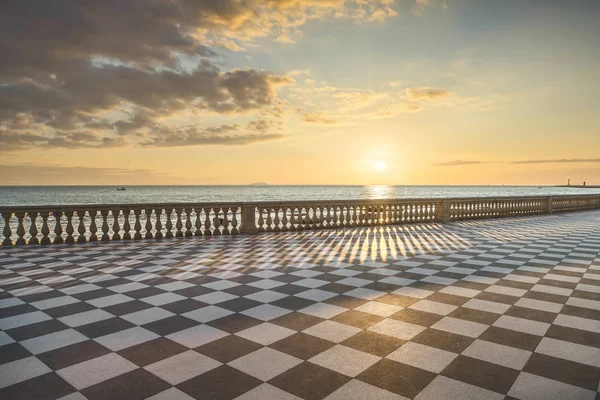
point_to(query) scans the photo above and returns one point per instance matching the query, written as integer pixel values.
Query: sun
(380, 165)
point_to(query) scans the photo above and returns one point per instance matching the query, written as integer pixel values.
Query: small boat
(121, 188)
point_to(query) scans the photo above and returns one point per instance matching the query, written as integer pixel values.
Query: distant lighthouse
(569, 182)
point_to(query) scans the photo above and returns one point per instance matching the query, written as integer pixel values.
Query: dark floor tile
(17, 310)
(574, 335)
(170, 325)
(554, 298)
(45, 387)
(397, 378)
(346, 301)
(302, 345)
(448, 299)
(296, 321)
(336, 288)
(481, 373)
(433, 287)
(473, 315)
(112, 282)
(239, 304)
(73, 354)
(93, 294)
(228, 348)
(309, 381)
(222, 383)
(12, 352)
(183, 306)
(511, 338)
(193, 291)
(134, 385)
(529, 313)
(581, 312)
(496, 297)
(373, 343)
(443, 340)
(234, 323)
(150, 352)
(41, 296)
(396, 300)
(358, 319)
(563, 370)
(145, 292)
(105, 327)
(242, 290)
(127, 308)
(69, 309)
(381, 286)
(37, 329)
(417, 317)
(290, 289)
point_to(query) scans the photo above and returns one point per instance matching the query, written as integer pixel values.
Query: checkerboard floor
(487, 309)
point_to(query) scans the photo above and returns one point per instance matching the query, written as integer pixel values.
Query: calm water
(38, 195)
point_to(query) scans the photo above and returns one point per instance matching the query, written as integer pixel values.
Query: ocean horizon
(134, 194)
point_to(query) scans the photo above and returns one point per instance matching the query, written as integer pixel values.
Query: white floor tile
(97, 370)
(498, 354)
(181, 367)
(265, 333)
(461, 327)
(266, 312)
(442, 388)
(424, 357)
(522, 325)
(21, 370)
(358, 390)
(265, 363)
(323, 310)
(345, 360)
(534, 387)
(332, 331)
(197, 336)
(399, 329)
(127, 338)
(570, 351)
(52, 341)
(207, 314)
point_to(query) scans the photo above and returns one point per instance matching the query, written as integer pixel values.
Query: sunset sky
(223, 92)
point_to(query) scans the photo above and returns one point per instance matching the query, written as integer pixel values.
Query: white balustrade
(87, 223)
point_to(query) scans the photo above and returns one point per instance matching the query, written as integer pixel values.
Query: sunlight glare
(380, 165)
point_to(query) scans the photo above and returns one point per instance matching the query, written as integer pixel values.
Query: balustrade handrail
(79, 223)
(265, 203)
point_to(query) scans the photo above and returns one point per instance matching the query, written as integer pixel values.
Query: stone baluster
(188, 222)
(81, 227)
(261, 221)
(45, 228)
(33, 229)
(93, 227)
(169, 223)
(276, 220)
(104, 228)
(126, 224)
(178, 223)
(270, 220)
(70, 229)
(284, 219)
(207, 223)
(137, 225)
(20, 228)
(234, 221)
(158, 225)
(116, 228)
(198, 222)
(7, 232)
(217, 221)
(148, 213)
(58, 230)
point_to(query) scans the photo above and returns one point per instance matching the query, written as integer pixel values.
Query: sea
(64, 195)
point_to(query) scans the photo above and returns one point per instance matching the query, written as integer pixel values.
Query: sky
(219, 92)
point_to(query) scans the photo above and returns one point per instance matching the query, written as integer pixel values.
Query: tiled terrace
(473, 310)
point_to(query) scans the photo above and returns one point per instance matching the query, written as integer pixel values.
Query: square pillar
(248, 214)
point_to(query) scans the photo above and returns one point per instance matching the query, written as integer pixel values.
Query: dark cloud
(229, 135)
(456, 163)
(426, 93)
(318, 118)
(69, 69)
(559, 161)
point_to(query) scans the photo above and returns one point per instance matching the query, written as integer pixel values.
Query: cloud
(427, 93)
(559, 161)
(320, 118)
(457, 163)
(108, 73)
(228, 135)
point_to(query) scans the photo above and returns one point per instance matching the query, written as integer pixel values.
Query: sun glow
(380, 165)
